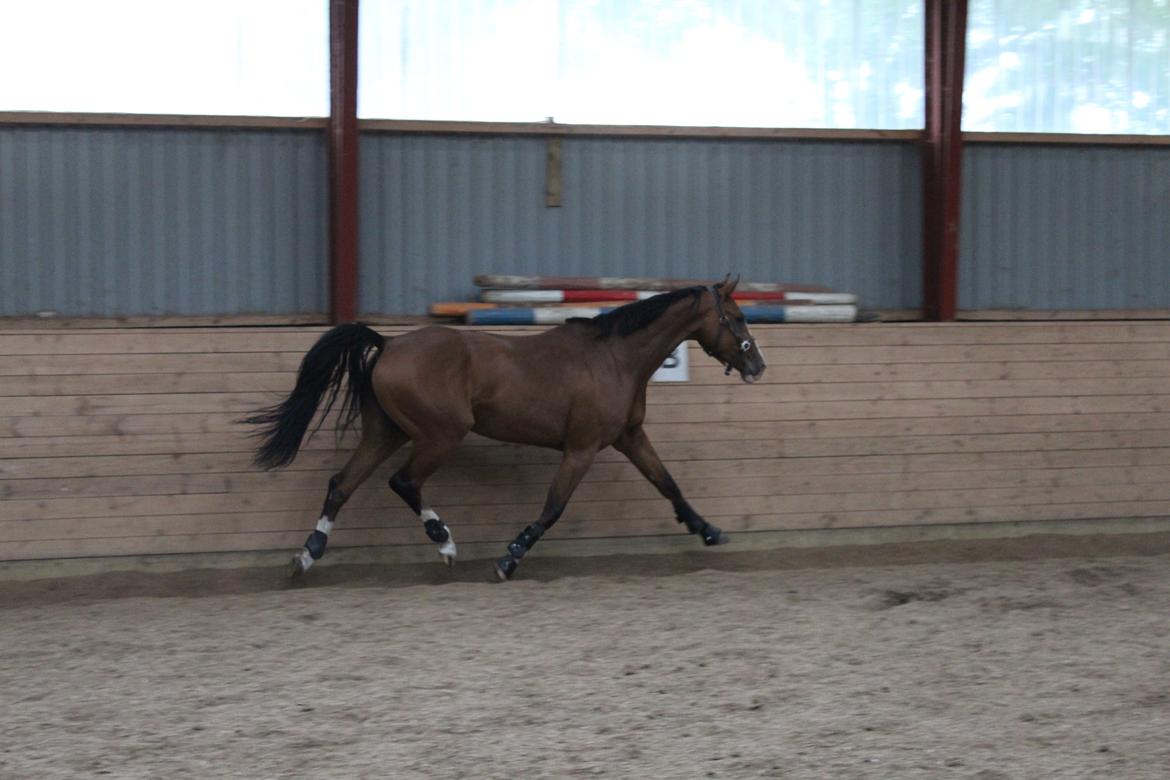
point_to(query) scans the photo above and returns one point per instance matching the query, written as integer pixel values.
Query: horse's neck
(646, 350)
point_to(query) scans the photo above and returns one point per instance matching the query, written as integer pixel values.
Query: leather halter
(745, 340)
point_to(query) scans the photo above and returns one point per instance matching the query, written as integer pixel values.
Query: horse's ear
(729, 286)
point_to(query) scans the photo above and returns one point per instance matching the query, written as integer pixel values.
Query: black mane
(637, 315)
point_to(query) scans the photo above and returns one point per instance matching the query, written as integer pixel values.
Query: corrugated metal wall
(121, 221)
(1059, 227)
(125, 221)
(436, 210)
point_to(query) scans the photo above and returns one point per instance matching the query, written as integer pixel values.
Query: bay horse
(578, 388)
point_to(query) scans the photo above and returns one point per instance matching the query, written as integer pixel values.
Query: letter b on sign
(674, 368)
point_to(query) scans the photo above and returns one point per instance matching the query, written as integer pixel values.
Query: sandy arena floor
(815, 665)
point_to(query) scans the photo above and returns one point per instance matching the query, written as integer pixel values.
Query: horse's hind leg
(572, 469)
(408, 481)
(379, 439)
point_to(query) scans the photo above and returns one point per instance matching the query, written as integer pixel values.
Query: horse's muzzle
(752, 378)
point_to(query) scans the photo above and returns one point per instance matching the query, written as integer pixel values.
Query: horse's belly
(519, 426)
(548, 399)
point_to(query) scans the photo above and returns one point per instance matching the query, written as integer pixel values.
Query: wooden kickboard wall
(123, 441)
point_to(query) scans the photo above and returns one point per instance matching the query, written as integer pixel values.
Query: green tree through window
(1068, 66)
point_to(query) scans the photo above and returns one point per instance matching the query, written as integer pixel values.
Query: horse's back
(509, 387)
(437, 350)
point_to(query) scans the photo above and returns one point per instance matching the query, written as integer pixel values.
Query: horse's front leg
(635, 446)
(573, 467)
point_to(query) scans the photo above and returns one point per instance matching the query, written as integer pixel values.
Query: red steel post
(942, 159)
(343, 160)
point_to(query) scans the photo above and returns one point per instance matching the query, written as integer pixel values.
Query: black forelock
(635, 316)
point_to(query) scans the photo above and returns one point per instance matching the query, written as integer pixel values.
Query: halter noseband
(745, 341)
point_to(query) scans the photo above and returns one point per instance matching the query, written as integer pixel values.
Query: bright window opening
(751, 63)
(234, 57)
(1061, 66)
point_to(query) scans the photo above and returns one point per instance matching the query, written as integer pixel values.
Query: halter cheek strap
(745, 342)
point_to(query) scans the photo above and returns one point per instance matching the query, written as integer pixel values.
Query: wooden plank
(488, 466)
(736, 406)
(118, 424)
(386, 327)
(845, 410)
(155, 342)
(954, 426)
(812, 355)
(445, 127)
(230, 363)
(933, 334)
(509, 464)
(1066, 139)
(823, 336)
(794, 354)
(97, 119)
(719, 390)
(462, 492)
(703, 371)
(407, 529)
(679, 422)
(213, 541)
(380, 506)
(59, 322)
(132, 403)
(553, 172)
(168, 434)
(466, 498)
(97, 430)
(967, 333)
(867, 334)
(921, 390)
(280, 382)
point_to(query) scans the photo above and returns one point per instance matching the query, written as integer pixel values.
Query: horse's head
(724, 334)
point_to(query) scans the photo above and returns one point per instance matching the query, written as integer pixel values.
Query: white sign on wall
(674, 368)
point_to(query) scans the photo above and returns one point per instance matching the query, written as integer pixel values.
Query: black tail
(341, 351)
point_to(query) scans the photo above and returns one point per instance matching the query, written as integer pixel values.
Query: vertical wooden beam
(942, 158)
(343, 160)
(553, 172)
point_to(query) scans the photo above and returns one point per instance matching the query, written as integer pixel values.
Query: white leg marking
(447, 549)
(305, 559)
(325, 525)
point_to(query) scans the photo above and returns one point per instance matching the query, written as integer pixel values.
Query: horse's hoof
(715, 539)
(300, 564)
(447, 552)
(505, 568)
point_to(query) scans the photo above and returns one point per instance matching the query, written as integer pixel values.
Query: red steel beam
(942, 159)
(343, 160)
